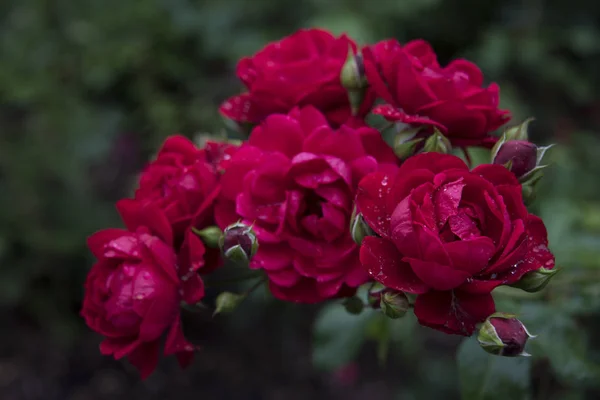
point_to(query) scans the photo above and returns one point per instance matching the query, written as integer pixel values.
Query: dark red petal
(181, 145)
(446, 200)
(177, 344)
(97, 241)
(278, 133)
(164, 256)
(370, 201)
(375, 80)
(159, 316)
(434, 162)
(496, 174)
(453, 312)
(145, 358)
(470, 69)
(460, 121)
(472, 255)
(437, 276)
(136, 214)
(241, 109)
(383, 262)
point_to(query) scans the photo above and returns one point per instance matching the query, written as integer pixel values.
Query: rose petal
(370, 201)
(383, 262)
(453, 312)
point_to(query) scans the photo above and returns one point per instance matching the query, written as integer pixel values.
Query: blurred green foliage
(89, 89)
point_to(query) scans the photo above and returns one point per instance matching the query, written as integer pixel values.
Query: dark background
(89, 89)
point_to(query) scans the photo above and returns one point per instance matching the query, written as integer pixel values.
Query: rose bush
(450, 236)
(418, 91)
(133, 292)
(302, 69)
(294, 182)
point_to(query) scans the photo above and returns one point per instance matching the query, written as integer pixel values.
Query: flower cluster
(320, 201)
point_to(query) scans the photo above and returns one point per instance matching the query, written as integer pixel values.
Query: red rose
(182, 183)
(133, 292)
(420, 92)
(302, 69)
(449, 235)
(294, 182)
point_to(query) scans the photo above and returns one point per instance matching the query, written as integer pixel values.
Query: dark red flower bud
(239, 243)
(504, 335)
(520, 155)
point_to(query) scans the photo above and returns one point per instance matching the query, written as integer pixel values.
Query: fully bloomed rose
(294, 182)
(301, 69)
(418, 91)
(133, 292)
(450, 236)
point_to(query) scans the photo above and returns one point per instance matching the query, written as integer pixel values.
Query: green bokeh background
(89, 89)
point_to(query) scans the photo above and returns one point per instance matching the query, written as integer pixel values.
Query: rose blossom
(301, 69)
(182, 183)
(450, 236)
(133, 292)
(418, 91)
(294, 183)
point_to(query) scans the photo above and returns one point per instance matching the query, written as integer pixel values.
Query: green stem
(254, 287)
(237, 279)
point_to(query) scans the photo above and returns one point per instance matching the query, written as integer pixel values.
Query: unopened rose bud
(353, 79)
(504, 335)
(535, 281)
(354, 305)
(519, 156)
(406, 142)
(437, 143)
(353, 76)
(359, 228)
(239, 243)
(210, 235)
(227, 302)
(394, 304)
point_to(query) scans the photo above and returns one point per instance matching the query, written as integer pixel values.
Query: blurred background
(89, 89)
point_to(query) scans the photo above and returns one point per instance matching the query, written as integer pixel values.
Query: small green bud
(353, 76)
(359, 228)
(535, 281)
(394, 304)
(437, 143)
(354, 305)
(519, 132)
(227, 302)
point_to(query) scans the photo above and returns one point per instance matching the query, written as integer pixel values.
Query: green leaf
(338, 336)
(486, 377)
